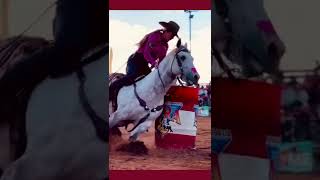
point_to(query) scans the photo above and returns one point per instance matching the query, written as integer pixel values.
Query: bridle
(100, 124)
(180, 67)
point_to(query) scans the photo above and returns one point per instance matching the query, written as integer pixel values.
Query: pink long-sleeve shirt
(155, 48)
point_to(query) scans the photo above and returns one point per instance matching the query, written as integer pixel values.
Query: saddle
(14, 99)
(115, 78)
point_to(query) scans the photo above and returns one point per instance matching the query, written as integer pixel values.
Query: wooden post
(110, 60)
(4, 8)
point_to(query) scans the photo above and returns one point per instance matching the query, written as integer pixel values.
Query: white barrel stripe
(187, 127)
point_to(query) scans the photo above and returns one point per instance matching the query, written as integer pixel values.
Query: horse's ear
(186, 45)
(179, 43)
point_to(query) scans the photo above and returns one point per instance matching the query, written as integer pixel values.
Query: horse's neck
(96, 84)
(167, 77)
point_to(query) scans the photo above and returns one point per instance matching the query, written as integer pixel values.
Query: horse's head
(182, 65)
(245, 35)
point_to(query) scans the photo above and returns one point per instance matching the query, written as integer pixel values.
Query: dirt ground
(162, 159)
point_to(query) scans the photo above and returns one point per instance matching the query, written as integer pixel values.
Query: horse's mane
(172, 52)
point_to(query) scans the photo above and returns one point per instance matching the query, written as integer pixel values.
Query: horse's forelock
(176, 50)
(179, 49)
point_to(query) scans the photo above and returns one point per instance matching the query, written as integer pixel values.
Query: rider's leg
(29, 70)
(134, 66)
(138, 65)
(80, 24)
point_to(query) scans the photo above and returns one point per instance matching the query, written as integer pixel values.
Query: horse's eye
(182, 58)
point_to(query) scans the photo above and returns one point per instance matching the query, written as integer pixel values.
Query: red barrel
(176, 127)
(246, 120)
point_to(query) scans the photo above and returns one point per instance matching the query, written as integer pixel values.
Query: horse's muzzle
(194, 80)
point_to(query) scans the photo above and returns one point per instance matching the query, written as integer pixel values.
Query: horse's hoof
(133, 138)
(135, 148)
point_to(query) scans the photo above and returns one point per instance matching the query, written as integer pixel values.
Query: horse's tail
(11, 52)
(115, 76)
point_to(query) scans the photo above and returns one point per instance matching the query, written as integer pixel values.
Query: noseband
(178, 61)
(179, 64)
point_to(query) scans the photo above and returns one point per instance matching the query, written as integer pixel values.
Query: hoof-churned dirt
(161, 159)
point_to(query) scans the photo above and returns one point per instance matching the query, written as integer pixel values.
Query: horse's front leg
(143, 127)
(115, 118)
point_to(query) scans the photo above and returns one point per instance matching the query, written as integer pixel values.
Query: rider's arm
(163, 51)
(154, 49)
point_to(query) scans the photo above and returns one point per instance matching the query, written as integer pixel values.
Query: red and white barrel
(246, 118)
(177, 126)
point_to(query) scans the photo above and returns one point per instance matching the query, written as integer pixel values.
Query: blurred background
(297, 25)
(17, 15)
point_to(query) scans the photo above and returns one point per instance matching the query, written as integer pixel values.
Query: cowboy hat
(171, 26)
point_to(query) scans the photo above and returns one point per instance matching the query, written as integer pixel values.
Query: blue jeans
(136, 66)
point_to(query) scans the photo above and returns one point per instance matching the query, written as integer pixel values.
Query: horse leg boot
(143, 127)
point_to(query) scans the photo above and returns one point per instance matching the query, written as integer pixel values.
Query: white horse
(62, 119)
(152, 89)
(244, 39)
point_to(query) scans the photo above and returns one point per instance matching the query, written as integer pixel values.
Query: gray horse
(66, 126)
(152, 89)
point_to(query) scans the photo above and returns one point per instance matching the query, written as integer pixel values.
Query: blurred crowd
(204, 95)
(301, 109)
